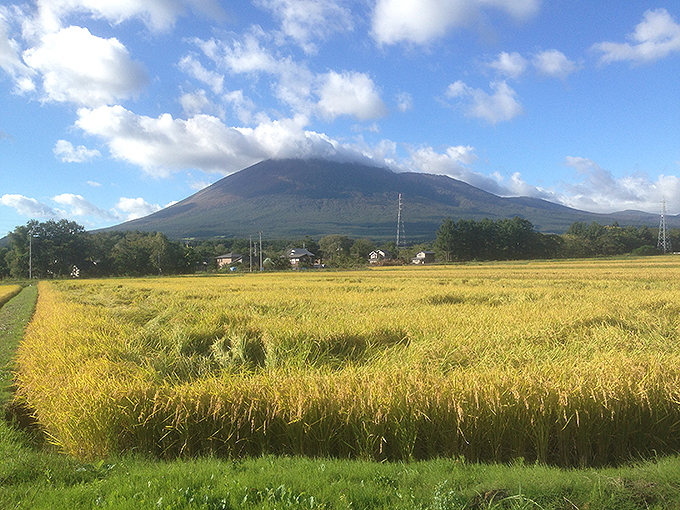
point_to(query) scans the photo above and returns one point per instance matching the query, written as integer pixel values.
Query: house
(228, 259)
(300, 257)
(423, 257)
(377, 256)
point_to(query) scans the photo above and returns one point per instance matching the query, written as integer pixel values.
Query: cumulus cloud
(654, 38)
(196, 103)
(511, 65)
(328, 95)
(77, 207)
(84, 69)
(28, 206)
(501, 105)
(600, 191)
(423, 21)
(292, 82)
(164, 145)
(133, 208)
(81, 208)
(305, 21)
(65, 151)
(554, 63)
(11, 62)
(349, 94)
(456, 162)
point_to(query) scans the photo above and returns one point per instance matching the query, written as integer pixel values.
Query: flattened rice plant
(572, 363)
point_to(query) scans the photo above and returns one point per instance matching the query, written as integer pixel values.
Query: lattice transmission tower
(664, 243)
(401, 233)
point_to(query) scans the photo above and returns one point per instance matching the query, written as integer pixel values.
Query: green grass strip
(14, 316)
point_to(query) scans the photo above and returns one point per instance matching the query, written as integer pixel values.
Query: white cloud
(349, 94)
(193, 67)
(511, 65)
(163, 145)
(157, 15)
(600, 191)
(456, 162)
(307, 20)
(423, 21)
(28, 206)
(94, 184)
(243, 107)
(197, 102)
(654, 38)
(83, 69)
(500, 106)
(328, 95)
(292, 82)
(81, 208)
(133, 208)
(198, 185)
(404, 101)
(69, 154)
(554, 63)
(11, 63)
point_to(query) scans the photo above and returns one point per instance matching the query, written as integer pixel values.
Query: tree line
(59, 249)
(515, 239)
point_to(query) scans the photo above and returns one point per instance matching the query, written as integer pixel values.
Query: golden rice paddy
(567, 362)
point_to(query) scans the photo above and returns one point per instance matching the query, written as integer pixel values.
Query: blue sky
(113, 109)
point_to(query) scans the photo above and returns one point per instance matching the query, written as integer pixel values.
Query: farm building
(300, 256)
(377, 256)
(423, 257)
(228, 259)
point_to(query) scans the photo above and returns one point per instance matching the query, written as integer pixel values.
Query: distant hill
(293, 198)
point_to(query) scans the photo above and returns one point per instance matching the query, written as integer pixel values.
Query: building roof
(230, 256)
(297, 253)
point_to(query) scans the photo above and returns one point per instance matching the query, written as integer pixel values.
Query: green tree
(334, 246)
(4, 267)
(52, 249)
(446, 239)
(360, 250)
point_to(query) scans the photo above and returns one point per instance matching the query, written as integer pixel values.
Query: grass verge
(34, 477)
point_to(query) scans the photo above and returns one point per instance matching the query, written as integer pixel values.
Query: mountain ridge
(292, 198)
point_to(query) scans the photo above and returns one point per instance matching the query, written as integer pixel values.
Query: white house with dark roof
(423, 257)
(298, 256)
(377, 256)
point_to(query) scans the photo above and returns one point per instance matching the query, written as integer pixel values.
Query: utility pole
(30, 254)
(261, 267)
(250, 254)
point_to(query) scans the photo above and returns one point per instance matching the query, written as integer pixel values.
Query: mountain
(293, 198)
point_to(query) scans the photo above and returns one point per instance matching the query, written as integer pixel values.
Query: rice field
(567, 363)
(7, 292)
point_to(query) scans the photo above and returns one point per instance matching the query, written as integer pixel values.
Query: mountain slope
(294, 198)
